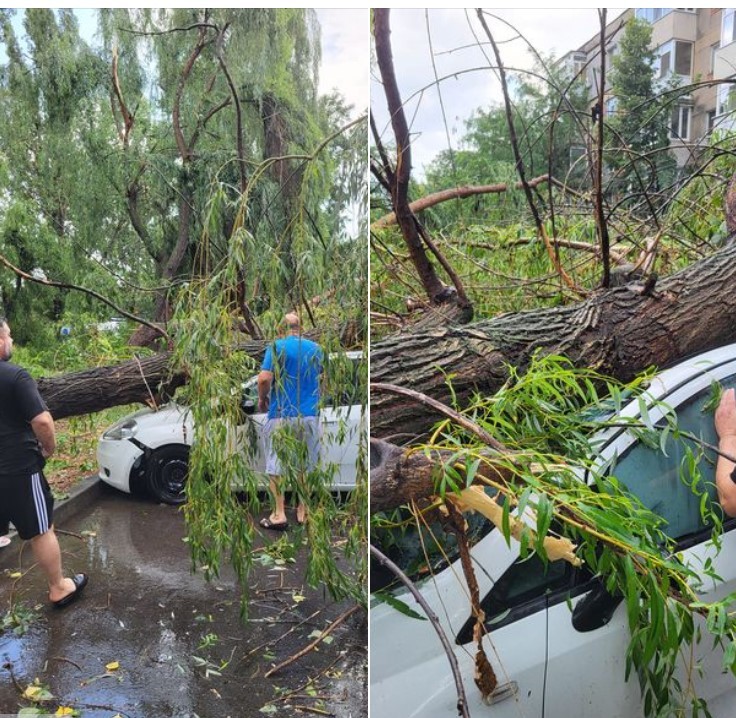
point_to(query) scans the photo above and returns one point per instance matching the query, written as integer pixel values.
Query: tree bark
(619, 331)
(400, 187)
(136, 380)
(400, 476)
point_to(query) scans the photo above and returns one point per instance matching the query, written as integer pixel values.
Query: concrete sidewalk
(181, 648)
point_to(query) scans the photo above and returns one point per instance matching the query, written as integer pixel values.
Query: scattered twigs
(270, 644)
(64, 532)
(462, 701)
(65, 660)
(297, 691)
(311, 709)
(314, 643)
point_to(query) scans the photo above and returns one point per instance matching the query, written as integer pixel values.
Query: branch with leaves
(546, 421)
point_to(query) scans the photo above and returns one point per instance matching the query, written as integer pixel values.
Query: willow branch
(430, 200)
(63, 285)
(459, 419)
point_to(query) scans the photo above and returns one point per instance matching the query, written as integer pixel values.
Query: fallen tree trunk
(136, 380)
(144, 379)
(619, 332)
(400, 476)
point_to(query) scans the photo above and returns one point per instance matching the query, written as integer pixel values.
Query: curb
(86, 492)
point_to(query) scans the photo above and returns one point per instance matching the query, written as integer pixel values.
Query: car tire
(167, 473)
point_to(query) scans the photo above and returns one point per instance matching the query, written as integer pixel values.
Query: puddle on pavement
(181, 648)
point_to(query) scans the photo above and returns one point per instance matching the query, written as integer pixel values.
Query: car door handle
(502, 692)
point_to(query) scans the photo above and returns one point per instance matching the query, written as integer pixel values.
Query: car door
(410, 673)
(585, 674)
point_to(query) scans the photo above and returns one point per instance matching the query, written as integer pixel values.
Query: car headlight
(125, 430)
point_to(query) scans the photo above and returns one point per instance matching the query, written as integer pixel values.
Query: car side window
(657, 479)
(527, 586)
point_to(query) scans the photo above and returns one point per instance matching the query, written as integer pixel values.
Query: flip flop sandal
(80, 581)
(273, 526)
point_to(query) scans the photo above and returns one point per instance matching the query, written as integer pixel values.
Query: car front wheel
(167, 474)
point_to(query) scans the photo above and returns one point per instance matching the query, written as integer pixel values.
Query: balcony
(678, 24)
(724, 62)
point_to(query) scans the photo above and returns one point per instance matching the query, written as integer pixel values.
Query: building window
(711, 122)
(579, 61)
(652, 14)
(680, 123)
(713, 50)
(611, 105)
(675, 57)
(726, 98)
(727, 27)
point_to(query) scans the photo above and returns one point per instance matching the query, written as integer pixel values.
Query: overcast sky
(454, 36)
(345, 49)
(346, 54)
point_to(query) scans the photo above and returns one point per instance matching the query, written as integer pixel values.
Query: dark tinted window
(526, 587)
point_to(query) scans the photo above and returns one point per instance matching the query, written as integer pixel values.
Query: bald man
(288, 388)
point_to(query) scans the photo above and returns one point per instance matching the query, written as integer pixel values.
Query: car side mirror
(596, 609)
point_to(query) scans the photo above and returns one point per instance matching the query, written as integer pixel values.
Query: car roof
(671, 387)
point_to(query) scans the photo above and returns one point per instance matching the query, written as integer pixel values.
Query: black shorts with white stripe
(27, 501)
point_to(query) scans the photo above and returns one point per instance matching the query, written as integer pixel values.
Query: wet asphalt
(180, 646)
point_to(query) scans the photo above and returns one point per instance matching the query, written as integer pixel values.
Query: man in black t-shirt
(27, 439)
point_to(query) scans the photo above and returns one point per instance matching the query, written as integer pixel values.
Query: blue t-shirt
(296, 364)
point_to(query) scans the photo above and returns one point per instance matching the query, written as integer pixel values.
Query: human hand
(725, 417)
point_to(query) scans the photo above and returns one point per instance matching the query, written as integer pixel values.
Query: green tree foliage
(112, 179)
(188, 169)
(640, 126)
(550, 114)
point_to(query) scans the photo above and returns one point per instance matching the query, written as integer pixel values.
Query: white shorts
(292, 445)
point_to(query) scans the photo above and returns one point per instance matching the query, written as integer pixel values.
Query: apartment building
(695, 46)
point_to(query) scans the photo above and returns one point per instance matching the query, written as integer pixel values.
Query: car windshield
(675, 478)
(420, 550)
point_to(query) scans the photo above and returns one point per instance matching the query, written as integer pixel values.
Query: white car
(557, 662)
(149, 449)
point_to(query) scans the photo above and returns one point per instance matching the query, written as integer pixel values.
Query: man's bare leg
(278, 515)
(301, 507)
(48, 555)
